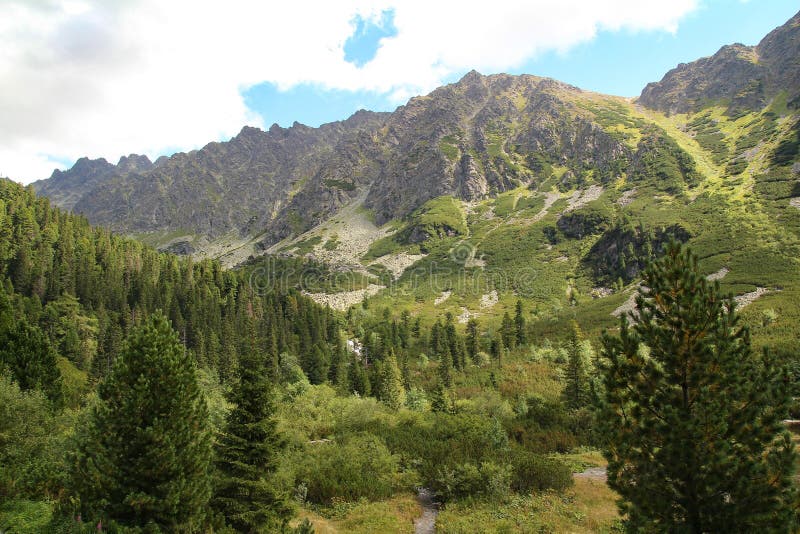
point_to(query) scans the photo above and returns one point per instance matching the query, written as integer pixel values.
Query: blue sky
(614, 62)
(105, 79)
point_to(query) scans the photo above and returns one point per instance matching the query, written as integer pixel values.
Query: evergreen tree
(473, 342)
(692, 418)
(508, 332)
(441, 400)
(247, 455)
(446, 369)
(143, 458)
(498, 349)
(359, 379)
(577, 391)
(27, 354)
(391, 391)
(519, 325)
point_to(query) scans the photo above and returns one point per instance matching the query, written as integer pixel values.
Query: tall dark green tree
(473, 341)
(498, 349)
(577, 391)
(508, 331)
(392, 392)
(519, 325)
(144, 456)
(27, 354)
(245, 493)
(691, 416)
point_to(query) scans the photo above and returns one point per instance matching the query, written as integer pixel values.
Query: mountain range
(472, 139)
(495, 188)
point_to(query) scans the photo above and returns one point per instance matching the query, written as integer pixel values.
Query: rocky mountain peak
(134, 163)
(746, 77)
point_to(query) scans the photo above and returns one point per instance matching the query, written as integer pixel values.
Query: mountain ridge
(473, 139)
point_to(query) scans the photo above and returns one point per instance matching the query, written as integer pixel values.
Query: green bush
(490, 479)
(25, 517)
(532, 472)
(439, 440)
(356, 466)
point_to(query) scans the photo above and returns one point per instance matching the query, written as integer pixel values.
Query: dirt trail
(426, 523)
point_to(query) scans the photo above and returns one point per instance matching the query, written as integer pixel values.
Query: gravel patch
(719, 275)
(443, 297)
(583, 197)
(342, 301)
(593, 473)
(489, 299)
(466, 315)
(627, 197)
(398, 263)
(627, 306)
(748, 298)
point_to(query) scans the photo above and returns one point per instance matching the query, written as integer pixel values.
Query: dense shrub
(358, 466)
(440, 440)
(488, 479)
(533, 472)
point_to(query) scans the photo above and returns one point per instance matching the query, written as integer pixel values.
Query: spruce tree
(577, 391)
(245, 493)
(359, 378)
(473, 342)
(498, 349)
(391, 391)
(519, 325)
(26, 353)
(691, 417)
(441, 400)
(508, 332)
(144, 456)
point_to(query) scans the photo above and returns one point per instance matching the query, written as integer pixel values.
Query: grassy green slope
(737, 212)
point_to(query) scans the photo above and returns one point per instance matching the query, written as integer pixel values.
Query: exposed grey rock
(743, 76)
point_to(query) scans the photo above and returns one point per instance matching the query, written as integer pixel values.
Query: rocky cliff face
(239, 185)
(746, 77)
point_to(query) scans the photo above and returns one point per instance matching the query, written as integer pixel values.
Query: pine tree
(247, 455)
(473, 343)
(577, 391)
(692, 418)
(508, 332)
(27, 354)
(446, 369)
(391, 391)
(144, 456)
(359, 379)
(519, 325)
(498, 349)
(441, 400)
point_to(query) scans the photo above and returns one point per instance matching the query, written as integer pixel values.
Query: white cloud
(99, 78)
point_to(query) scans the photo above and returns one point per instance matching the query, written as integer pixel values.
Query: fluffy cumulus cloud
(99, 78)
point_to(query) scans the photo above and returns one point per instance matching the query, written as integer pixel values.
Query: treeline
(391, 344)
(85, 288)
